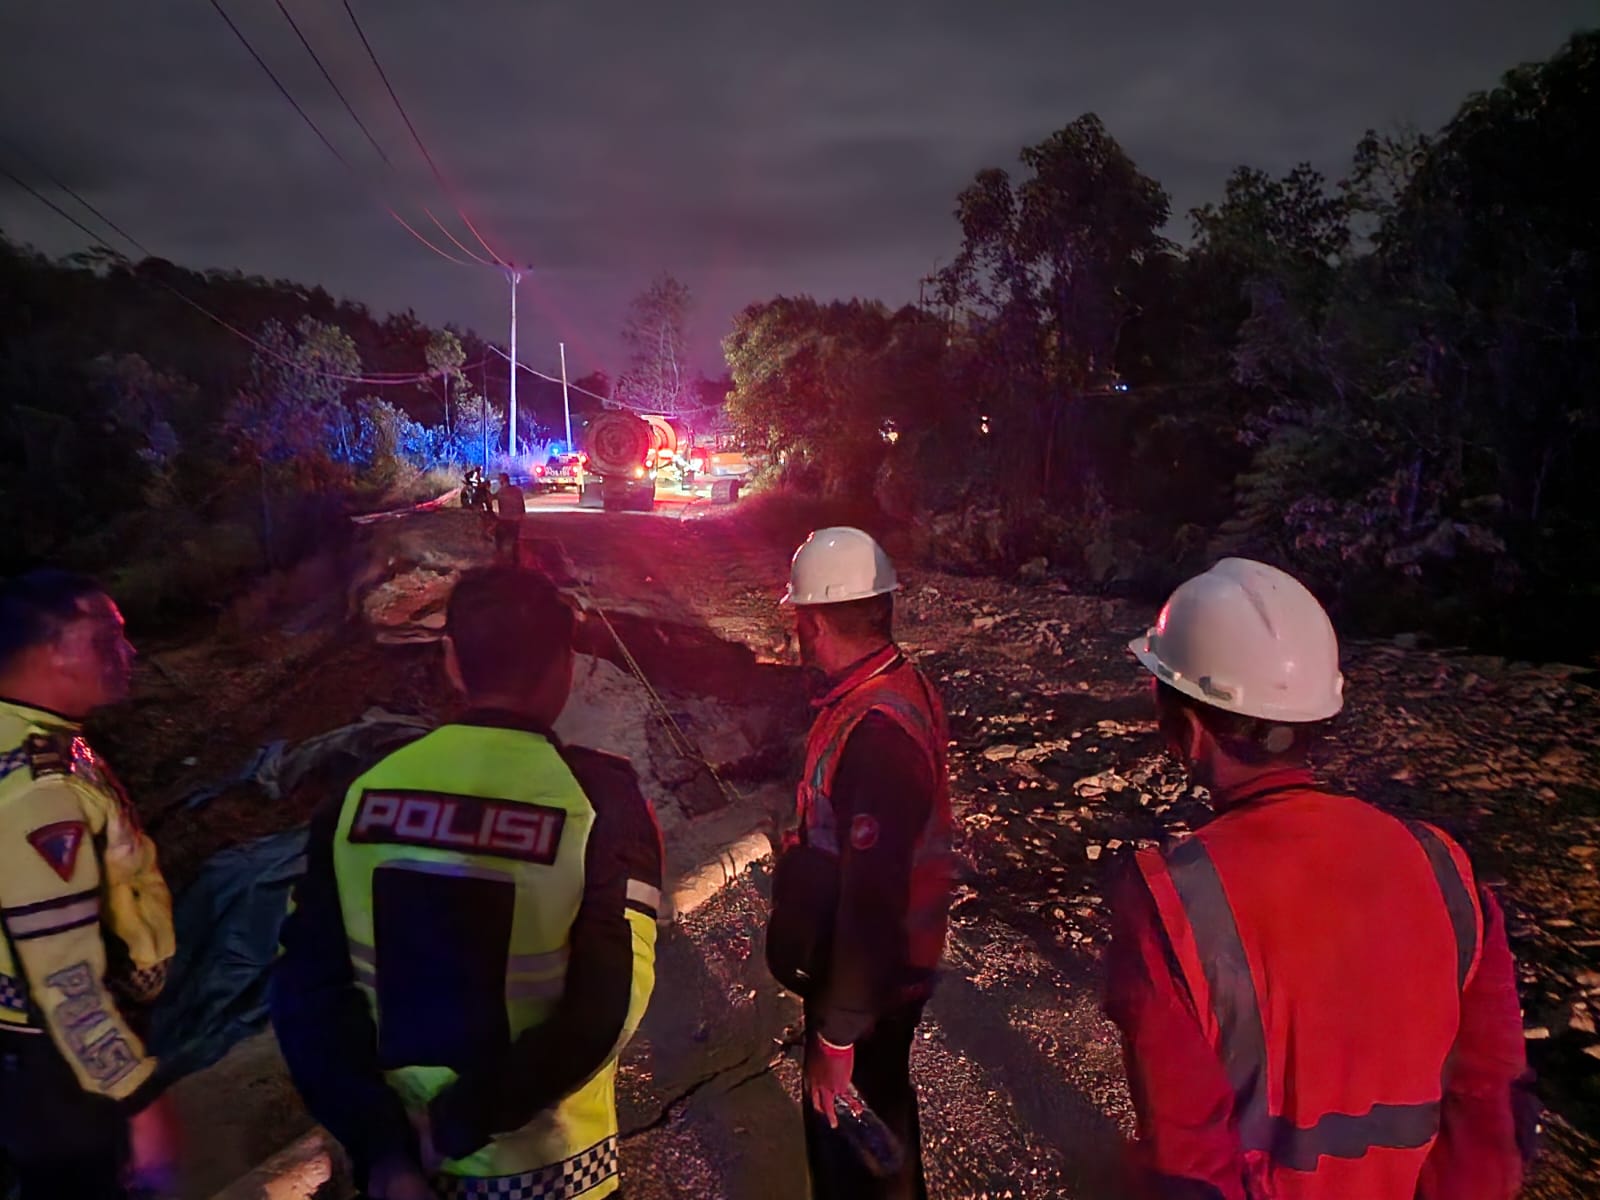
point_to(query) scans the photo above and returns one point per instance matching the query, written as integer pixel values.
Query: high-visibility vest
(498, 806)
(1326, 946)
(76, 865)
(888, 684)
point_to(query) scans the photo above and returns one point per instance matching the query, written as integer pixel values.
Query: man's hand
(397, 1179)
(828, 1070)
(426, 1150)
(155, 1143)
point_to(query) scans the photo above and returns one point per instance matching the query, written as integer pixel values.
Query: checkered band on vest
(12, 995)
(12, 760)
(569, 1178)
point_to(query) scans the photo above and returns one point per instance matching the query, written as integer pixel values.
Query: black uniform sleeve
(609, 974)
(324, 1026)
(882, 795)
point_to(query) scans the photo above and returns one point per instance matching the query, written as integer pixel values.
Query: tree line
(1384, 382)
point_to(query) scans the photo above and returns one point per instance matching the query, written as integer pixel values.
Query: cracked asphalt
(1019, 1074)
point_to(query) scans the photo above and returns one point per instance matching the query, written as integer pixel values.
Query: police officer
(1316, 998)
(87, 916)
(474, 940)
(861, 896)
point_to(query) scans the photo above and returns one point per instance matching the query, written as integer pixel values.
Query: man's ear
(452, 665)
(1195, 734)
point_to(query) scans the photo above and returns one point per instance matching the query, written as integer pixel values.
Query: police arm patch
(58, 844)
(863, 832)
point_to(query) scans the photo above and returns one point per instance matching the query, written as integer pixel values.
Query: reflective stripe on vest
(524, 789)
(1230, 1011)
(897, 690)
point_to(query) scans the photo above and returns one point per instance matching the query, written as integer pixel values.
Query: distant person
(1316, 998)
(510, 508)
(87, 916)
(861, 895)
(474, 939)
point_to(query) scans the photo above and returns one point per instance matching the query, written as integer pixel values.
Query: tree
(816, 386)
(145, 408)
(445, 356)
(1044, 273)
(658, 378)
(294, 409)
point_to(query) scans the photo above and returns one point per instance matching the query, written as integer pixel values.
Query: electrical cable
(350, 108)
(417, 137)
(322, 137)
(550, 378)
(389, 379)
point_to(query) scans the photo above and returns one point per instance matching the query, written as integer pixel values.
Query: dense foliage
(1387, 383)
(141, 439)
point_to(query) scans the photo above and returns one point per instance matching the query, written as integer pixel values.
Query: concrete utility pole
(511, 427)
(566, 405)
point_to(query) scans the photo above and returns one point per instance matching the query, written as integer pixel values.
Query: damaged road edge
(718, 852)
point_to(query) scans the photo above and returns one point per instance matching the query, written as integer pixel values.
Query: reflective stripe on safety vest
(890, 685)
(1193, 901)
(498, 807)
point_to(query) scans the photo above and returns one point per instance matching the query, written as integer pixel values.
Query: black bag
(805, 897)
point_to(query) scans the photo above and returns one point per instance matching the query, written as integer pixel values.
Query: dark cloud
(751, 149)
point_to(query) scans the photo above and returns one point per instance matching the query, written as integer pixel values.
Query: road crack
(674, 1107)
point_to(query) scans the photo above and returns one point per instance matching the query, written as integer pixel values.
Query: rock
(981, 624)
(1004, 752)
(1034, 571)
(1093, 850)
(1536, 1033)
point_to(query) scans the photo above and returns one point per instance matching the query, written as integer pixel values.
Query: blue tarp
(227, 924)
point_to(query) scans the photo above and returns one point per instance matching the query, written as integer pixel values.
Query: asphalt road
(1016, 1068)
(668, 504)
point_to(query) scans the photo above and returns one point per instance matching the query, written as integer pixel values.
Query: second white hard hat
(1250, 639)
(837, 565)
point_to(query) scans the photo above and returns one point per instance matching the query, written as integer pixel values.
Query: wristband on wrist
(831, 1048)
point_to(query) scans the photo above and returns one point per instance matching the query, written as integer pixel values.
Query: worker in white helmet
(1316, 998)
(862, 894)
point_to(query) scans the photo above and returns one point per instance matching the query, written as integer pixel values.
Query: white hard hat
(835, 565)
(1248, 639)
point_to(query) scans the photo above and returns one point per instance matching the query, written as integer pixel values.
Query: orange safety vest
(1326, 946)
(887, 683)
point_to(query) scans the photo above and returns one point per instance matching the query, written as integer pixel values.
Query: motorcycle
(475, 491)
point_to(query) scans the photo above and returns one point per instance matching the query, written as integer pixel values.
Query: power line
(549, 378)
(312, 125)
(360, 124)
(348, 107)
(612, 400)
(37, 166)
(390, 379)
(417, 137)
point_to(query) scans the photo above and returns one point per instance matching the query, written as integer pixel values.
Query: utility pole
(566, 405)
(511, 429)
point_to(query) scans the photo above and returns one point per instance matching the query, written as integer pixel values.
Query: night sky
(750, 148)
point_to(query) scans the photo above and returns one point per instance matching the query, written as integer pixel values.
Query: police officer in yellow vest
(87, 916)
(474, 940)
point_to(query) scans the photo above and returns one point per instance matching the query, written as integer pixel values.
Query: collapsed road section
(712, 731)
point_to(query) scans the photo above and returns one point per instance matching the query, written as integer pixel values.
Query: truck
(623, 452)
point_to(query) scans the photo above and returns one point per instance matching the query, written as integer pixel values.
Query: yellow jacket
(87, 915)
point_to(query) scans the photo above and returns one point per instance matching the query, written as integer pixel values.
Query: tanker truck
(623, 452)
